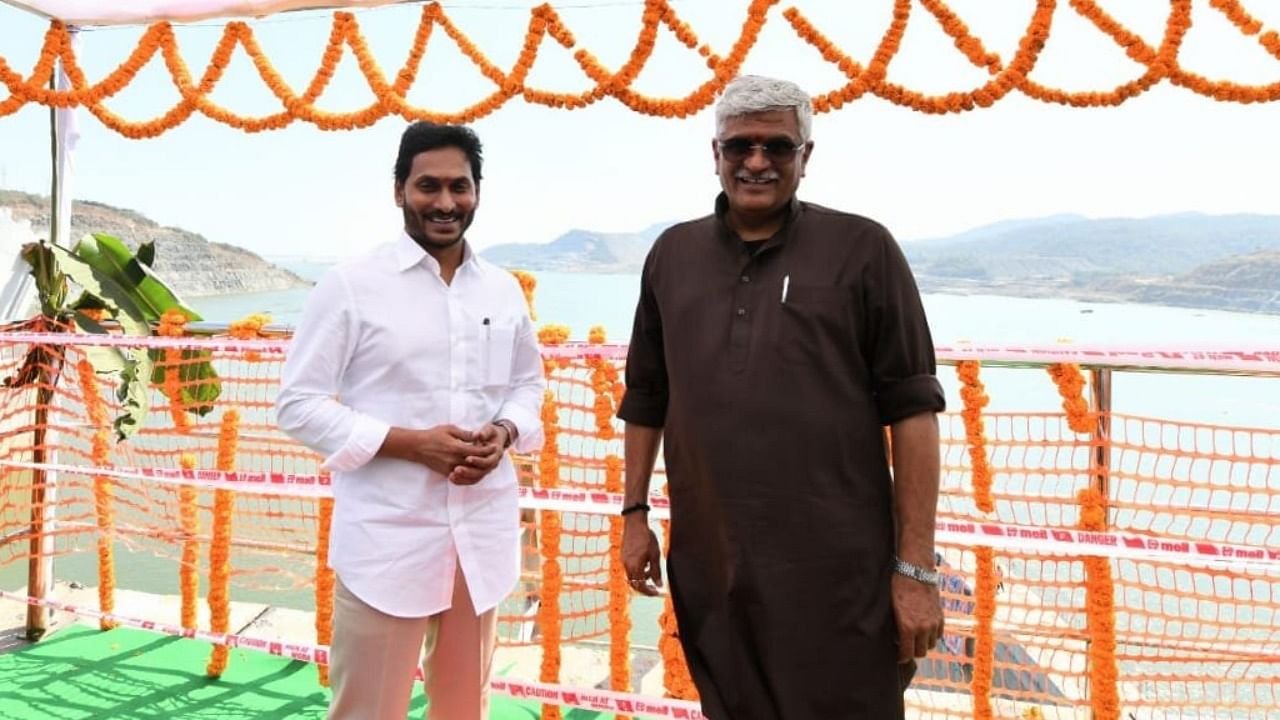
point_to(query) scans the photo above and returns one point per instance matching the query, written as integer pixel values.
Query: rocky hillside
(192, 265)
(1248, 282)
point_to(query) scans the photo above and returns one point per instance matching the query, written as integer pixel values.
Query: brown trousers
(373, 656)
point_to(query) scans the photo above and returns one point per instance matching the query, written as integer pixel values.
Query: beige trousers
(373, 656)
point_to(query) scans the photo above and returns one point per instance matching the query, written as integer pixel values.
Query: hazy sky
(304, 191)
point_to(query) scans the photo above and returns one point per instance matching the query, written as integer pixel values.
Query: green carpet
(80, 672)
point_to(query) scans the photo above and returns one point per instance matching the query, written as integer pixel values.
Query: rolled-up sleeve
(523, 404)
(307, 408)
(645, 401)
(903, 363)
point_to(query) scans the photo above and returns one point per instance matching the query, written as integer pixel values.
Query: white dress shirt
(383, 343)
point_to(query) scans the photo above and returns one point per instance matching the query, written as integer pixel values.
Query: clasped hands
(465, 457)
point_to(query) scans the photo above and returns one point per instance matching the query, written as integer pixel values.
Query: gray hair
(748, 94)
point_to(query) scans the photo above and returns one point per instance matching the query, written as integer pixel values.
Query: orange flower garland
(528, 283)
(675, 669)
(1071, 387)
(619, 589)
(189, 571)
(984, 646)
(1100, 613)
(975, 399)
(102, 490)
(220, 548)
(549, 617)
(324, 583)
(249, 328)
(390, 97)
(173, 324)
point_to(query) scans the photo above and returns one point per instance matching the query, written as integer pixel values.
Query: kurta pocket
(497, 353)
(813, 324)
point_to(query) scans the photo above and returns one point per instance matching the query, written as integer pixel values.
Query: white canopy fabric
(143, 12)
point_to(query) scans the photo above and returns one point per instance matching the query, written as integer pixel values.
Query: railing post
(1100, 452)
(40, 557)
(1100, 457)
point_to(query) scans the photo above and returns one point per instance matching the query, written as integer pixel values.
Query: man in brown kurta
(773, 342)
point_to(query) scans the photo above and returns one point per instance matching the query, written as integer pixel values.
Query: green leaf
(116, 297)
(199, 382)
(51, 283)
(111, 257)
(133, 393)
(128, 364)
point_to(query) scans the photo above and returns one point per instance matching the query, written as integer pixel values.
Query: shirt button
(742, 312)
(745, 279)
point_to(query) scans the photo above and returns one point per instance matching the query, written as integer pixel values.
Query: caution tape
(1259, 360)
(1070, 541)
(264, 483)
(223, 344)
(1224, 359)
(1114, 544)
(587, 699)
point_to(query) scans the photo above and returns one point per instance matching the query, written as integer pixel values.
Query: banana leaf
(129, 364)
(199, 383)
(110, 256)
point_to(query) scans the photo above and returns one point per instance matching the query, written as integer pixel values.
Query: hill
(1229, 262)
(192, 265)
(580, 251)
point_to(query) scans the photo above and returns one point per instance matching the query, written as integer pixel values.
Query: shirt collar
(722, 211)
(409, 253)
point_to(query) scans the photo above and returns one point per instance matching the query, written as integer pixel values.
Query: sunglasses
(735, 150)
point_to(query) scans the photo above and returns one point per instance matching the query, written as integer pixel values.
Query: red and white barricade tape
(218, 344)
(1067, 541)
(1260, 360)
(587, 699)
(263, 483)
(1115, 544)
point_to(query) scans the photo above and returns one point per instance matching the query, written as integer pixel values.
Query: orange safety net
(1030, 632)
(389, 97)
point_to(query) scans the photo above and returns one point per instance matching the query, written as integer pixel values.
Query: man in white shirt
(413, 369)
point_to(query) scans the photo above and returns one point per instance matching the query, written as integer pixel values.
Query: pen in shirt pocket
(786, 283)
(487, 334)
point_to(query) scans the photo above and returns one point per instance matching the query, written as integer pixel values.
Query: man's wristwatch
(915, 572)
(510, 427)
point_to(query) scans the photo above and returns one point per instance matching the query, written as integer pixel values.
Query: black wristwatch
(510, 427)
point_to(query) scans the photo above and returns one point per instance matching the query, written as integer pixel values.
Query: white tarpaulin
(142, 12)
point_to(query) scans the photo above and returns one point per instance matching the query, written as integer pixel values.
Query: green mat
(81, 672)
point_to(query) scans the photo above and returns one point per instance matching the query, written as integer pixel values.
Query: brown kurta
(782, 521)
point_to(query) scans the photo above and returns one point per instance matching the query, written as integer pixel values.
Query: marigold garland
(975, 399)
(220, 547)
(96, 409)
(1071, 387)
(619, 589)
(325, 583)
(249, 328)
(528, 283)
(984, 645)
(173, 324)
(390, 97)
(1100, 613)
(189, 571)
(549, 616)
(675, 669)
